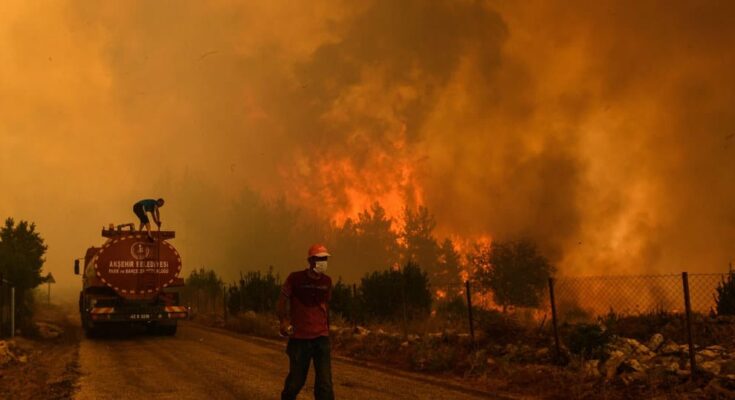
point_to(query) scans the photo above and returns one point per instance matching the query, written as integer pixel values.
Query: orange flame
(339, 188)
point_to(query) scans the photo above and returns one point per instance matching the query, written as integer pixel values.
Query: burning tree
(441, 262)
(514, 271)
(419, 245)
(446, 276)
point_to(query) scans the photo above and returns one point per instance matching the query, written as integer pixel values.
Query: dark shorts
(142, 216)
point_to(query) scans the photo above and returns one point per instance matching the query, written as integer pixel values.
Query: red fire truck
(131, 280)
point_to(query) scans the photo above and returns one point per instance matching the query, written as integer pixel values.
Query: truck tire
(92, 333)
(161, 329)
(167, 330)
(152, 328)
(89, 332)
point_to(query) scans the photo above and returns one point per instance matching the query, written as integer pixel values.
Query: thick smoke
(603, 130)
(645, 90)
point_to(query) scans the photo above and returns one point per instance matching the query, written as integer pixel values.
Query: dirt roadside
(438, 380)
(197, 363)
(205, 363)
(51, 370)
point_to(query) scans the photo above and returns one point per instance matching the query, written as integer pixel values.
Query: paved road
(202, 363)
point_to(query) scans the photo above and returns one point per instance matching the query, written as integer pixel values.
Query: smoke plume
(603, 130)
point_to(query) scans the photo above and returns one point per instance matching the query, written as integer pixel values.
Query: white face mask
(320, 267)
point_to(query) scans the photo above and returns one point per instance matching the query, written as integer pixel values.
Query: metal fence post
(353, 310)
(242, 293)
(12, 311)
(224, 302)
(688, 312)
(405, 310)
(552, 299)
(2, 307)
(469, 311)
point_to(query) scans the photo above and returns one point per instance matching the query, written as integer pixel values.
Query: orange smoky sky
(603, 130)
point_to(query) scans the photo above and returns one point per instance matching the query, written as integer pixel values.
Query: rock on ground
(6, 355)
(48, 331)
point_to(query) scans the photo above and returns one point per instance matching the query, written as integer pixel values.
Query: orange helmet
(318, 250)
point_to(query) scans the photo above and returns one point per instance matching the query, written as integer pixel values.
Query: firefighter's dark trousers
(300, 353)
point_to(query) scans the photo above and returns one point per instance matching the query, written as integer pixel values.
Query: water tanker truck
(131, 280)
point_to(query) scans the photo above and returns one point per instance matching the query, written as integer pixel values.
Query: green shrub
(256, 292)
(434, 358)
(388, 294)
(588, 340)
(253, 324)
(725, 298)
(574, 314)
(643, 326)
(453, 308)
(343, 302)
(498, 327)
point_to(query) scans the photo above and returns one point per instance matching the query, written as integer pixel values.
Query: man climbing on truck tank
(303, 313)
(143, 207)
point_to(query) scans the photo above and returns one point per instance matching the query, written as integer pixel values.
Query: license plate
(140, 316)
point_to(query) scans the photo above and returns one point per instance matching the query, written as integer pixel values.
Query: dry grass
(254, 324)
(505, 356)
(248, 323)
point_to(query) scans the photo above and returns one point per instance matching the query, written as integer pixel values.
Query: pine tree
(725, 298)
(514, 271)
(22, 251)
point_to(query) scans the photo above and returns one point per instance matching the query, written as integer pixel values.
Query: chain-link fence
(703, 292)
(585, 298)
(682, 307)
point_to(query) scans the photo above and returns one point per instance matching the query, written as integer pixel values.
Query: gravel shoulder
(50, 367)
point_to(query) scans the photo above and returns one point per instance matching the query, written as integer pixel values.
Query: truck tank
(131, 280)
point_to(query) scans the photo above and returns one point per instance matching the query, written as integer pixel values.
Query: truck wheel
(91, 333)
(167, 330)
(152, 328)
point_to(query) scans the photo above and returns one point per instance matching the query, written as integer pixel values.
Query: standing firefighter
(306, 294)
(143, 207)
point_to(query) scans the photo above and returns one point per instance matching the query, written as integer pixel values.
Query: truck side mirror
(76, 267)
